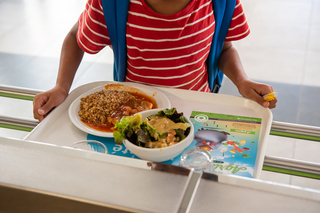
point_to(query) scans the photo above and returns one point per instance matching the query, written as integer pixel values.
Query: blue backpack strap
(115, 15)
(223, 12)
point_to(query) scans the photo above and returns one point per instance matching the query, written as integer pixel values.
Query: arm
(70, 58)
(230, 65)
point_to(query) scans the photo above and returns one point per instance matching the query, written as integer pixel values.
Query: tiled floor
(283, 50)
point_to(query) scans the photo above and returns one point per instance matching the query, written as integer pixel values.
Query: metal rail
(18, 123)
(271, 163)
(291, 167)
(295, 131)
(18, 92)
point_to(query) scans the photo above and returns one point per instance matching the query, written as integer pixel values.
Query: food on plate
(166, 128)
(101, 110)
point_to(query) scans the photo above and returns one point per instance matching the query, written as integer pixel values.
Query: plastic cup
(91, 145)
(197, 159)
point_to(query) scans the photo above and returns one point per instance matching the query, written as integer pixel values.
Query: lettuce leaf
(172, 114)
(180, 133)
(126, 127)
(140, 132)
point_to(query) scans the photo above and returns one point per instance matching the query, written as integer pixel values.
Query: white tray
(58, 129)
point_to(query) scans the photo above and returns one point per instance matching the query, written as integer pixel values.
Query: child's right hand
(44, 102)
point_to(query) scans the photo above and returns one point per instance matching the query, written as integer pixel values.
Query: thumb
(39, 100)
(46, 107)
(265, 104)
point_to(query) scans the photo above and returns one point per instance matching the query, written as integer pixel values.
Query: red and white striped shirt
(162, 50)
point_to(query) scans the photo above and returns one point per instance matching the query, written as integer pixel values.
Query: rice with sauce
(109, 106)
(97, 107)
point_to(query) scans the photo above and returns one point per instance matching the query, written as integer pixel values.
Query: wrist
(64, 88)
(241, 82)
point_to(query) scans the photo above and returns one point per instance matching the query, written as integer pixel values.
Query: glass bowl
(90, 145)
(197, 159)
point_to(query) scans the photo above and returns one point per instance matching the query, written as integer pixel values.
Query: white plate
(162, 101)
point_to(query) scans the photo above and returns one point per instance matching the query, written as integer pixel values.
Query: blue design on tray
(121, 150)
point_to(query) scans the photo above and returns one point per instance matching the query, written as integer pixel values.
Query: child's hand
(44, 102)
(255, 91)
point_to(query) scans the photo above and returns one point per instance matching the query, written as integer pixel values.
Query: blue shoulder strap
(115, 14)
(223, 12)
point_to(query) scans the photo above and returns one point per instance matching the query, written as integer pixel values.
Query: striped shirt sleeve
(239, 27)
(92, 35)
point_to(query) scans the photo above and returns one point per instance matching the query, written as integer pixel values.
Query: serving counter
(40, 177)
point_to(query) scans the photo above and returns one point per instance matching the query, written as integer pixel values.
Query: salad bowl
(164, 153)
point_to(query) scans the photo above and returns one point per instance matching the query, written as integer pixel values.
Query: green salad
(163, 129)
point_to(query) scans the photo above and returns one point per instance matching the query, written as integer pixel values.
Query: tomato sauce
(101, 127)
(146, 98)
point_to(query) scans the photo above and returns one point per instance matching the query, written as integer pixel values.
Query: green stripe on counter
(293, 135)
(291, 172)
(16, 96)
(8, 126)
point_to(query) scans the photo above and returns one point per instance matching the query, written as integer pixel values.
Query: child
(167, 43)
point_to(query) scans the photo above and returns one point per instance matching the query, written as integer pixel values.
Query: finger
(47, 107)
(273, 103)
(257, 98)
(266, 104)
(38, 102)
(40, 118)
(266, 89)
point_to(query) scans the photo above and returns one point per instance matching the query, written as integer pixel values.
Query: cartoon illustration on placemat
(231, 140)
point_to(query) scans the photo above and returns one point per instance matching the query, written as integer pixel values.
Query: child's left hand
(255, 91)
